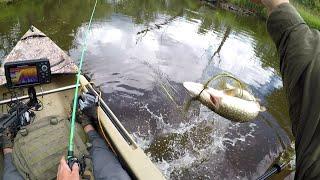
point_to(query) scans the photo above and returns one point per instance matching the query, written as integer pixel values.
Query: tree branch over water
(224, 39)
(158, 25)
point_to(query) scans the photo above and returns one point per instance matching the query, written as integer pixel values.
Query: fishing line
(205, 85)
(220, 76)
(75, 99)
(224, 75)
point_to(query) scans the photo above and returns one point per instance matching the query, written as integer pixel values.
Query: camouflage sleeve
(299, 50)
(10, 172)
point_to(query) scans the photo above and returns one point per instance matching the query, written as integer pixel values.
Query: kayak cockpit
(56, 97)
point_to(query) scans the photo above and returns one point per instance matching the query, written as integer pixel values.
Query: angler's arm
(299, 50)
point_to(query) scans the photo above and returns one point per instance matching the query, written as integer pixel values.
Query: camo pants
(105, 164)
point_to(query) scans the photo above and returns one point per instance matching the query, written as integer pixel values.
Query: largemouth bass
(229, 106)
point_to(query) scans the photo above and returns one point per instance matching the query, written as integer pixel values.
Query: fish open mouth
(215, 101)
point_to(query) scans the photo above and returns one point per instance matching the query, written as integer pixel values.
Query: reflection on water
(141, 51)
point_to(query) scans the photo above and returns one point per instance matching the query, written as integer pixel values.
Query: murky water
(141, 51)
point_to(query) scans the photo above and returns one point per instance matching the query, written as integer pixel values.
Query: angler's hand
(88, 108)
(270, 4)
(88, 100)
(65, 173)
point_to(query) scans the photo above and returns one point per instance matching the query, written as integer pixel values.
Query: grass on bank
(309, 10)
(5, 1)
(311, 17)
(312, 4)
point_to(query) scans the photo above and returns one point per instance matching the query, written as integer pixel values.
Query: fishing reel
(81, 163)
(20, 114)
(22, 117)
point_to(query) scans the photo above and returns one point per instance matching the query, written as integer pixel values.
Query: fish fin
(188, 104)
(230, 92)
(263, 109)
(229, 86)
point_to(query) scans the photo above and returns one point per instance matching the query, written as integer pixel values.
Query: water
(139, 54)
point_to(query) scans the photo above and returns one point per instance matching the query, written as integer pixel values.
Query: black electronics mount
(20, 114)
(24, 74)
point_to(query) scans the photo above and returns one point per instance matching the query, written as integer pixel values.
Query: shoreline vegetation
(6, 1)
(308, 9)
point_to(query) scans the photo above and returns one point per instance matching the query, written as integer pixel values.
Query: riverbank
(310, 12)
(5, 1)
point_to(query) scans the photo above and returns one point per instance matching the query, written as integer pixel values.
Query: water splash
(178, 148)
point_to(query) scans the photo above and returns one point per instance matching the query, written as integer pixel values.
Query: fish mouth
(194, 89)
(215, 101)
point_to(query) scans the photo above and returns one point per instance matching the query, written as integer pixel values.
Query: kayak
(57, 96)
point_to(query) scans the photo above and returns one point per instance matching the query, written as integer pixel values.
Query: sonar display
(24, 75)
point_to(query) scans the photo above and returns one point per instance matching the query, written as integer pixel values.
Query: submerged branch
(158, 25)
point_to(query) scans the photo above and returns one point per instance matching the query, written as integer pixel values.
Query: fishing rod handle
(276, 168)
(81, 163)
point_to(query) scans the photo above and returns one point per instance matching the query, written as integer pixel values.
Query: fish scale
(232, 108)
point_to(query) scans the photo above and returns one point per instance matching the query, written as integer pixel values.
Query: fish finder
(27, 73)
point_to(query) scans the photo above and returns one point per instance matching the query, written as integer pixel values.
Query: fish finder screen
(24, 75)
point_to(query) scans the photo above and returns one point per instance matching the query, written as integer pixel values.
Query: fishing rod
(276, 168)
(285, 160)
(71, 159)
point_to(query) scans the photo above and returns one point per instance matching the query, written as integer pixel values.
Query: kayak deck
(53, 104)
(135, 161)
(36, 45)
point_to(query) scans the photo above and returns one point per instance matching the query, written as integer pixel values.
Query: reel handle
(81, 163)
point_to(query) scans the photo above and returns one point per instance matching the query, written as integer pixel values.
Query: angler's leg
(10, 170)
(105, 164)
